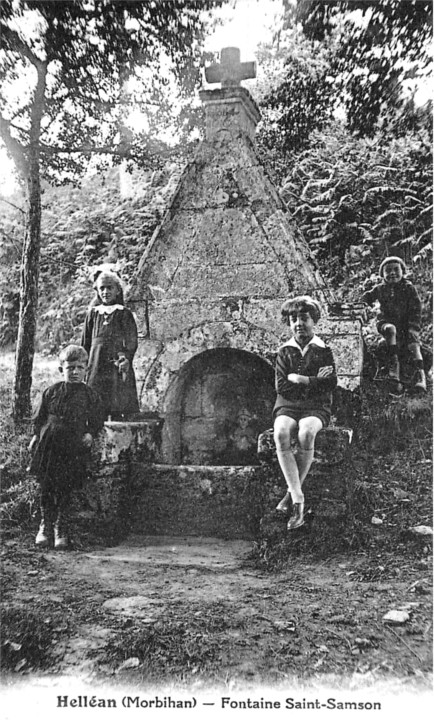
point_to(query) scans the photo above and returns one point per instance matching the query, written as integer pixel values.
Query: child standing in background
(400, 318)
(66, 422)
(110, 337)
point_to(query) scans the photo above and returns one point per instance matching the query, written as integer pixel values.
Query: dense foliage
(295, 91)
(109, 219)
(362, 194)
(346, 140)
(368, 63)
(379, 52)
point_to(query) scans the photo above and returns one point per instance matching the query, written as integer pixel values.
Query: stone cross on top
(230, 71)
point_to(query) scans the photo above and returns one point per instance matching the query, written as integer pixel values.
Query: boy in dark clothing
(68, 418)
(399, 319)
(305, 379)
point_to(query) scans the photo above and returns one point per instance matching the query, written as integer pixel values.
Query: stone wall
(107, 502)
(209, 501)
(132, 492)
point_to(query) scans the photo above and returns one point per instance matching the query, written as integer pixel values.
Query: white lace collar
(107, 309)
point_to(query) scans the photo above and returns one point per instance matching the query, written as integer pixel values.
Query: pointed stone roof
(226, 231)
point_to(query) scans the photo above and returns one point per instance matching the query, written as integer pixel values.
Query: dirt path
(197, 614)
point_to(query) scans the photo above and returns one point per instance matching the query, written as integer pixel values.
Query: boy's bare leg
(308, 428)
(285, 429)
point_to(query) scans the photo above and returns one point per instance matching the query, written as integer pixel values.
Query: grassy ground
(19, 492)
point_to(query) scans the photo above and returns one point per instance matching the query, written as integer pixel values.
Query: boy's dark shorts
(404, 337)
(297, 415)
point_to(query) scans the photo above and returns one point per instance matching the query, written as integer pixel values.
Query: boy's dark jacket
(399, 304)
(65, 413)
(318, 394)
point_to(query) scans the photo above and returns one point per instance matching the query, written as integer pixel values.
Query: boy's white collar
(315, 340)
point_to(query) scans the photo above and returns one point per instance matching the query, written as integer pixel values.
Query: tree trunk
(21, 404)
(28, 298)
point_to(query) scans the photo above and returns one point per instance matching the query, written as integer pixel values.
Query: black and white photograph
(216, 333)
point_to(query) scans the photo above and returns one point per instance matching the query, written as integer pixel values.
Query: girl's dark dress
(110, 331)
(67, 411)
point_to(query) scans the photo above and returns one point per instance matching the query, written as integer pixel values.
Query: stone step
(199, 500)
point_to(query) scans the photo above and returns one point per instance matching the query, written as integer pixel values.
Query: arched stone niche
(215, 408)
(159, 362)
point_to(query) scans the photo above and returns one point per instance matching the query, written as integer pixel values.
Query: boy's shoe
(42, 538)
(393, 370)
(60, 541)
(285, 504)
(420, 381)
(60, 538)
(297, 518)
(396, 389)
